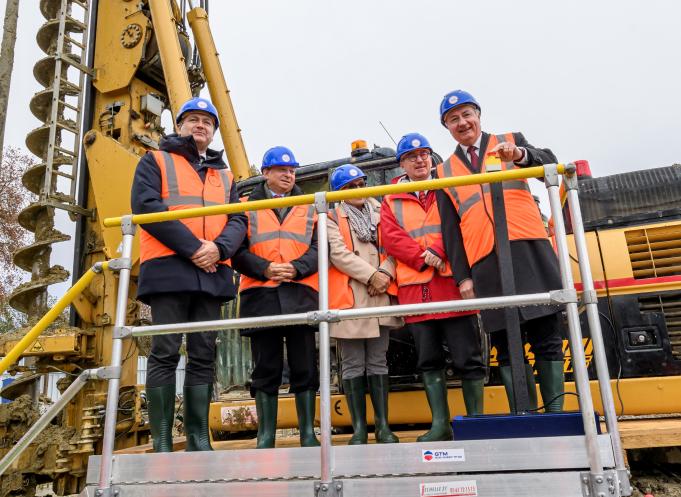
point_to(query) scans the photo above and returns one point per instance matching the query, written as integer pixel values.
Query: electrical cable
(550, 401)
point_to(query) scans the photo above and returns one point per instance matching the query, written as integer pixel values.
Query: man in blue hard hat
(467, 224)
(278, 266)
(184, 274)
(411, 233)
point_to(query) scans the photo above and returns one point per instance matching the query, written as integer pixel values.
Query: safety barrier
(597, 482)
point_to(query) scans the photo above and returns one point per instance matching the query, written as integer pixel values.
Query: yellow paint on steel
(30, 337)
(172, 60)
(640, 396)
(372, 191)
(219, 93)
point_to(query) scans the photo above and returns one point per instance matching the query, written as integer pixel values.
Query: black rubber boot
(507, 380)
(551, 384)
(196, 406)
(435, 385)
(355, 394)
(305, 408)
(378, 388)
(161, 409)
(473, 396)
(266, 406)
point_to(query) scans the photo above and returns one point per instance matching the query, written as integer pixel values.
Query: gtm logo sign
(444, 455)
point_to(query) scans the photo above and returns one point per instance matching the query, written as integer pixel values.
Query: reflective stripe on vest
(474, 206)
(182, 188)
(280, 242)
(422, 226)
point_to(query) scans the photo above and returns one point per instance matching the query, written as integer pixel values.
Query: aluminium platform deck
(528, 467)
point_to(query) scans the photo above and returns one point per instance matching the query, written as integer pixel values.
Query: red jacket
(401, 246)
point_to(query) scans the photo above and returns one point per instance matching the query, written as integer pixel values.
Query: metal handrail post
(591, 301)
(110, 418)
(576, 346)
(322, 207)
(45, 419)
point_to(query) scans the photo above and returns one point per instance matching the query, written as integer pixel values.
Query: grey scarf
(361, 222)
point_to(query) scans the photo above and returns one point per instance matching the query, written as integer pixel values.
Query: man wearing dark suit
(467, 225)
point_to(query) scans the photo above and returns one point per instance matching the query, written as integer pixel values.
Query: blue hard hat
(279, 156)
(454, 99)
(345, 174)
(411, 141)
(201, 105)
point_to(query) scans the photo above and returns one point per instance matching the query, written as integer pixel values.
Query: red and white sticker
(468, 488)
(443, 455)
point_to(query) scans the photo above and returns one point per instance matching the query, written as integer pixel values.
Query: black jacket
(287, 298)
(176, 273)
(535, 265)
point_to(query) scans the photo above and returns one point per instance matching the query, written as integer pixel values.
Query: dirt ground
(657, 486)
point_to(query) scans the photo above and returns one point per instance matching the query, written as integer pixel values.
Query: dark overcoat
(287, 298)
(535, 266)
(177, 273)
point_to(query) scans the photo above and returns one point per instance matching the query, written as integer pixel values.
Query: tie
(474, 157)
(422, 199)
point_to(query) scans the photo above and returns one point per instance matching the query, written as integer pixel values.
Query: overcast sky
(595, 80)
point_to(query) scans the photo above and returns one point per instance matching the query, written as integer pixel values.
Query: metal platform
(485, 468)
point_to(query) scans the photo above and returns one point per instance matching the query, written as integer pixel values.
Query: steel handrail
(337, 196)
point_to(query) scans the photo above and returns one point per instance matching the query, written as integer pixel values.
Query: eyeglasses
(352, 186)
(423, 155)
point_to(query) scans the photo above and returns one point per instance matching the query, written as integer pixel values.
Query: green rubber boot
(161, 408)
(196, 405)
(305, 408)
(473, 396)
(435, 385)
(266, 406)
(551, 384)
(507, 380)
(378, 388)
(355, 393)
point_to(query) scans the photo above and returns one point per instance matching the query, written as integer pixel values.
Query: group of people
(412, 248)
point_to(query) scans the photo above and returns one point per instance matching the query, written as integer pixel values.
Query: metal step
(497, 468)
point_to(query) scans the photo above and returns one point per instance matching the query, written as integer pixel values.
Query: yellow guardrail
(372, 191)
(50, 316)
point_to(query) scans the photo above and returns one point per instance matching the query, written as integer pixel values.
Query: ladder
(64, 74)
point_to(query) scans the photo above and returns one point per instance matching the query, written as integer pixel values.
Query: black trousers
(544, 334)
(463, 340)
(169, 308)
(267, 348)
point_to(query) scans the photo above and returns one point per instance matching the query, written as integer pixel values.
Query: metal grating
(668, 304)
(655, 252)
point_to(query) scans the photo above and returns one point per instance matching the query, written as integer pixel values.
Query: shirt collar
(477, 145)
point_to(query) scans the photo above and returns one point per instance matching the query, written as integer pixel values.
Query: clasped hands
(433, 260)
(378, 283)
(280, 271)
(207, 256)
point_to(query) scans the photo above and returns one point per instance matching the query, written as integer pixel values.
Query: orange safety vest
(280, 242)
(340, 292)
(182, 188)
(423, 227)
(474, 205)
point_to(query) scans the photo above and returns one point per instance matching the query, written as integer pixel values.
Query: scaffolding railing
(598, 481)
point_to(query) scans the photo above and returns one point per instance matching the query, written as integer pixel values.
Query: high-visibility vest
(182, 188)
(474, 205)
(340, 292)
(278, 241)
(422, 226)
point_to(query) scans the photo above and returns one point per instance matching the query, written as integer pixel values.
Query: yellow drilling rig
(110, 71)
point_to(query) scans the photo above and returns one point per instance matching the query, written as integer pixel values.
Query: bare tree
(9, 39)
(13, 198)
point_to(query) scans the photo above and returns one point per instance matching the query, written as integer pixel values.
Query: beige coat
(360, 265)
